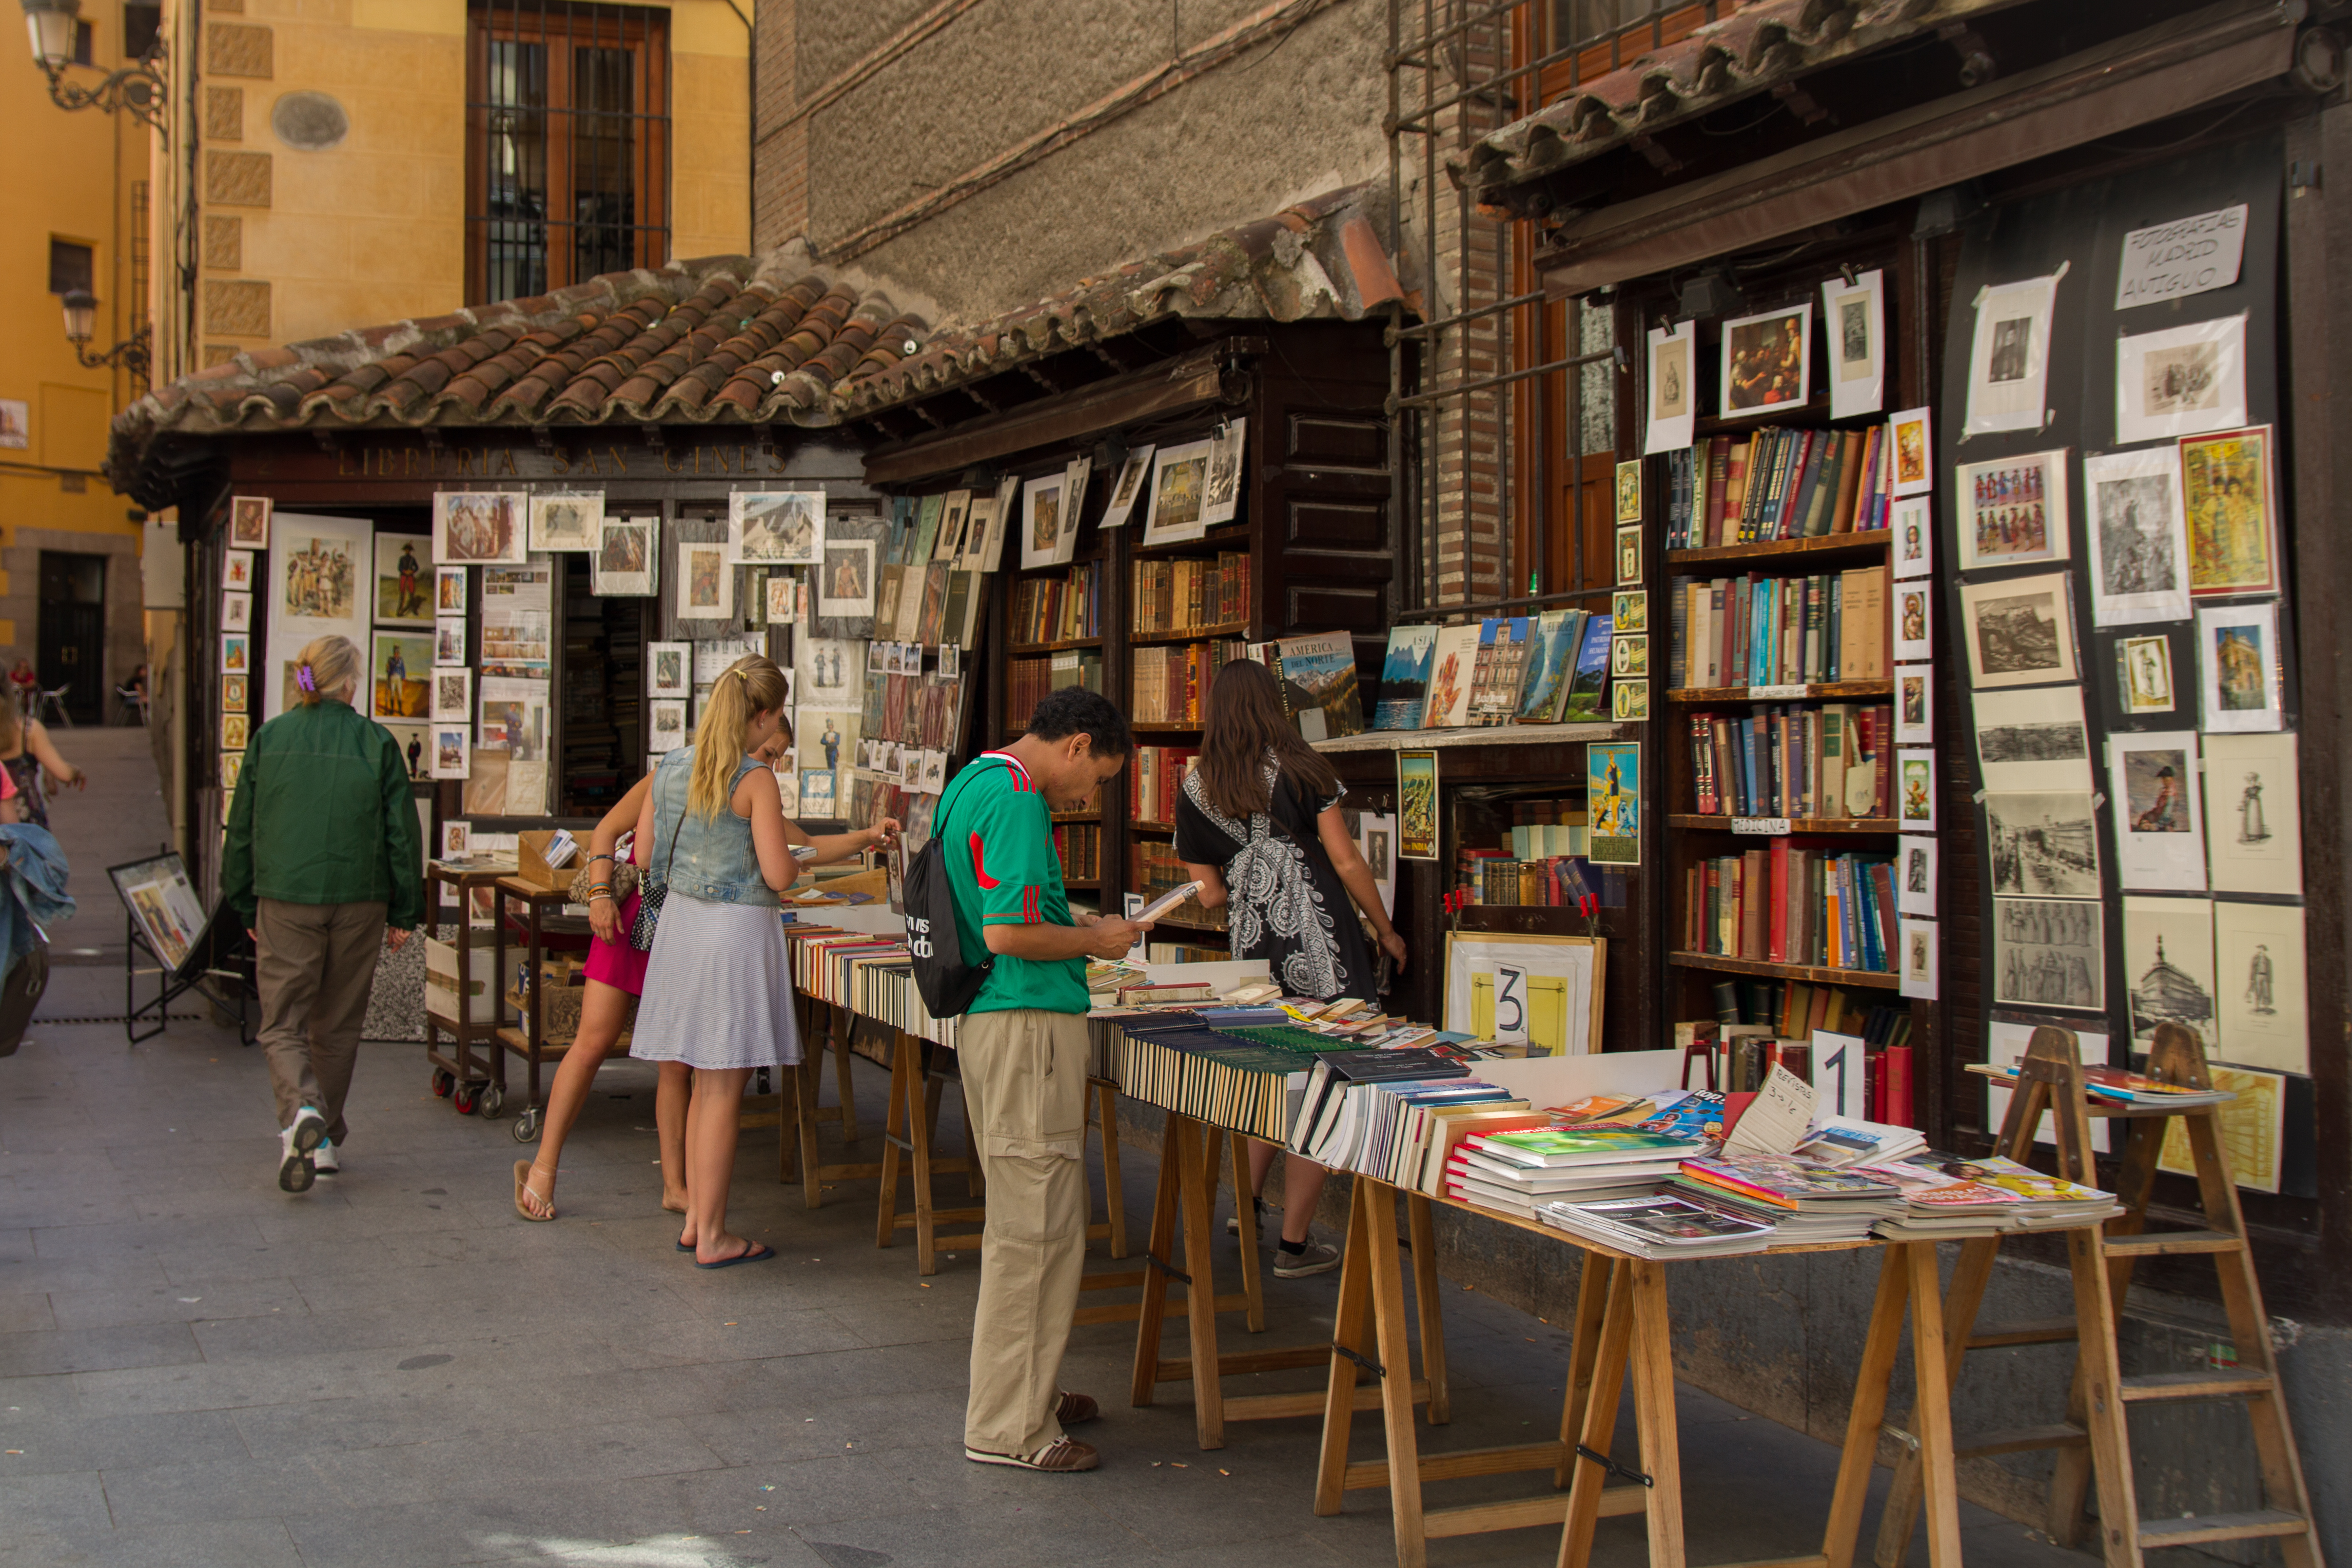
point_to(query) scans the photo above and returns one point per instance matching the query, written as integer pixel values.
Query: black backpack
(948, 983)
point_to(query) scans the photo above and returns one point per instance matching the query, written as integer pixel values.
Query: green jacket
(322, 816)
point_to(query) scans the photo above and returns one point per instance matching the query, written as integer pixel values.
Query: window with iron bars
(567, 144)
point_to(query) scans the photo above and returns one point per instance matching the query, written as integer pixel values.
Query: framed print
(669, 670)
(248, 522)
(397, 669)
(1912, 522)
(668, 720)
(832, 673)
(449, 748)
(1915, 704)
(1179, 487)
(236, 731)
(1041, 520)
(2033, 738)
(1915, 788)
(845, 580)
(2144, 674)
(784, 600)
(1417, 834)
(984, 536)
(2258, 961)
(157, 892)
(627, 562)
(236, 570)
(2225, 485)
(1672, 400)
(473, 527)
(706, 582)
(1914, 615)
(2183, 381)
(2168, 965)
(2043, 844)
(1612, 782)
(1629, 611)
(2238, 677)
(236, 612)
(236, 653)
(2050, 953)
(955, 515)
(1766, 361)
(449, 640)
(2020, 631)
(449, 590)
(566, 519)
(1127, 485)
(2012, 510)
(1541, 992)
(2254, 814)
(1914, 456)
(456, 839)
(1629, 700)
(318, 585)
(1629, 491)
(401, 596)
(774, 528)
(1855, 319)
(1915, 879)
(1629, 657)
(2139, 535)
(2009, 359)
(234, 693)
(453, 696)
(2160, 827)
(1226, 452)
(1915, 944)
(1628, 555)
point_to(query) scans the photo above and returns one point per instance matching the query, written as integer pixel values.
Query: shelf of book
(1157, 728)
(1155, 828)
(1022, 647)
(1198, 634)
(1716, 821)
(1812, 973)
(1818, 691)
(1481, 736)
(1869, 541)
(1228, 536)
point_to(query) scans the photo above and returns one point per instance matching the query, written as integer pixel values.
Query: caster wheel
(527, 1126)
(444, 1081)
(462, 1101)
(493, 1101)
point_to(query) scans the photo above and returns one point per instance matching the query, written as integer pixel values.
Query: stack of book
(1057, 609)
(1806, 1199)
(2119, 1086)
(1515, 1171)
(1777, 484)
(1190, 596)
(1945, 1196)
(1777, 631)
(1384, 1128)
(1793, 904)
(1783, 760)
(1659, 1226)
(1849, 1142)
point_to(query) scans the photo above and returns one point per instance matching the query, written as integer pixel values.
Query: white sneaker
(296, 1149)
(323, 1158)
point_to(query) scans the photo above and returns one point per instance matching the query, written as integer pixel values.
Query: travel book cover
(1452, 664)
(1405, 678)
(1318, 678)
(1502, 659)
(1551, 657)
(1588, 689)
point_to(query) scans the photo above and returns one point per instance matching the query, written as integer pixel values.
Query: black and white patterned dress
(1283, 903)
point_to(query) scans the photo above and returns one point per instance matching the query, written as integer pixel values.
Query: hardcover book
(1405, 678)
(1588, 684)
(1318, 678)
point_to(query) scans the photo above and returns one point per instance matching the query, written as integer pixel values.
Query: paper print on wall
(1179, 479)
(1133, 471)
(1077, 476)
(248, 522)
(2012, 510)
(2258, 964)
(2139, 537)
(2183, 381)
(775, 528)
(449, 640)
(2159, 822)
(1629, 491)
(2252, 1128)
(2009, 359)
(669, 669)
(236, 570)
(706, 582)
(1913, 466)
(236, 612)
(1673, 403)
(2020, 631)
(2050, 953)
(236, 652)
(1629, 611)
(397, 672)
(449, 590)
(1915, 875)
(234, 693)
(1629, 700)
(445, 744)
(1612, 782)
(1225, 472)
(2005, 1046)
(453, 696)
(2254, 814)
(2238, 668)
(628, 563)
(1628, 555)
(2144, 674)
(1912, 619)
(1417, 825)
(955, 516)
(2032, 739)
(566, 519)
(2043, 844)
(2169, 965)
(318, 569)
(236, 729)
(1915, 704)
(1041, 520)
(1539, 991)
(845, 580)
(2225, 480)
(1628, 657)
(1856, 330)
(1916, 951)
(403, 580)
(1915, 788)
(1766, 361)
(1911, 523)
(668, 724)
(473, 527)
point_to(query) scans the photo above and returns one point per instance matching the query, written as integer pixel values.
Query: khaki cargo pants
(1024, 1080)
(317, 965)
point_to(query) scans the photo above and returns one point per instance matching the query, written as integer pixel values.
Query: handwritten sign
(2188, 256)
(1762, 827)
(1776, 693)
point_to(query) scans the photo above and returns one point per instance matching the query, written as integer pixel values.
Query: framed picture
(2254, 814)
(248, 522)
(236, 731)
(2032, 738)
(955, 516)
(2144, 674)
(456, 839)
(2183, 381)
(397, 669)
(450, 751)
(2154, 781)
(1673, 401)
(784, 600)
(2239, 677)
(236, 653)
(1855, 317)
(453, 696)
(401, 598)
(775, 528)
(706, 582)
(845, 581)
(163, 904)
(2139, 535)
(1180, 476)
(1766, 361)
(1915, 704)
(449, 590)
(236, 570)
(236, 612)
(566, 519)
(1417, 822)
(669, 670)
(2226, 490)
(1133, 471)
(627, 562)
(1613, 784)
(1911, 521)
(2020, 631)
(2050, 953)
(319, 586)
(2012, 510)
(1629, 657)
(1542, 992)
(1914, 456)
(473, 527)
(1914, 881)
(1914, 619)
(1629, 553)
(2169, 963)
(2258, 957)
(1629, 611)
(2043, 844)
(1226, 470)
(1915, 941)
(1629, 700)
(1915, 788)
(2008, 360)
(449, 640)
(235, 698)
(1629, 491)
(1041, 520)
(669, 723)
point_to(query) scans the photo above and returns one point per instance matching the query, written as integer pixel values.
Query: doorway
(72, 648)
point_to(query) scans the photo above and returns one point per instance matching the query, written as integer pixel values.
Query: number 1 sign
(1839, 1080)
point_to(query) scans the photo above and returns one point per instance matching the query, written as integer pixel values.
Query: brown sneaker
(1064, 1456)
(1075, 1408)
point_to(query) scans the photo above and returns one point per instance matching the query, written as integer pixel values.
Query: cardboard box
(530, 861)
(441, 979)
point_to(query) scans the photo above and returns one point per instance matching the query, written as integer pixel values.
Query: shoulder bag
(653, 891)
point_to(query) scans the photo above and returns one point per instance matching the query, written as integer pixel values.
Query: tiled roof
(739, 339)
(1759, 45)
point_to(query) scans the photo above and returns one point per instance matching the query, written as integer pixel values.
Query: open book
(1166, 901)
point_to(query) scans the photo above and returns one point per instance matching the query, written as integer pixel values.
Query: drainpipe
(750, 134)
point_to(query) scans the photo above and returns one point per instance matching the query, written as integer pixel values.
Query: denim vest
(713, 859)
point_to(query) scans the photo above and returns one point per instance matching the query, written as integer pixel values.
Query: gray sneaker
(296, 1145)
(1318, 1259)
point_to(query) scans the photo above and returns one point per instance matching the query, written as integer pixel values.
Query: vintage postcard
(2050, 953)
(1628, 555)
(1915, 788)
(234, 693)
(236, 653)
(236, 570)
(1914, 620)
(1913, 451)
(2168, 965)
(775, 528)
(1629, 657)
(448, 746)
(1075, 478)
(1417, 821)
(566, 519)
(668, 721)
(2138, 536)
(1915, 704)
(2020, 631)
(2012, 510)
(2225, 482)
(453, 695)
(1915, 942)
(2238, 678)
(449, 590)
(627, 562)
(2144, 674)
(669, 670)
(845, 581)
(2160, 825)
(1629, 491)
(1912, 520)
(1673, 401)
(1612, 782)
(2254, 814)
(2008, 360)
(236, 731)
(2033, 738)
(1629, 610)
(1855, 317)
(1629, 701)
(2043, 844)
(1041, 520)
(236, 612)
(449, 640)
(2183, 381)
(706, 582)
(2258, 964)
(1133, 471)
(1225, 473)
(1915, 879)
(1766, 361)
(471, 527)
(248, 521)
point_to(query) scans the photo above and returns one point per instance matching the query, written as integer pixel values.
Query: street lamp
(137, 86)
(82, 324)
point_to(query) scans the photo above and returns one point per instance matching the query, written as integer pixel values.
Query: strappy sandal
(524, 1192)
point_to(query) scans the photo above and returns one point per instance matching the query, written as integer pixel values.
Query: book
(1405, 678)
(1663, 1226)
(1318, 678)
(1502, 661)
(1579, 1145)
(1589, 682)
(1452, 665)
(1553, 639)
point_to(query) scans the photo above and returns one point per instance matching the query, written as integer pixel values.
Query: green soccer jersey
(1002, 871)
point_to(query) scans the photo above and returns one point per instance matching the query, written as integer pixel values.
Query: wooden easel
(2094, 1441)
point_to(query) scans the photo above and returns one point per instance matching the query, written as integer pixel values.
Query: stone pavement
(196, 1369)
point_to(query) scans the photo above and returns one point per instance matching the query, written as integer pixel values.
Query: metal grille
(142, 308)
(568, 142)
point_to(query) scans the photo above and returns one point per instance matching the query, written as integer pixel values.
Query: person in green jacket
(322, 856)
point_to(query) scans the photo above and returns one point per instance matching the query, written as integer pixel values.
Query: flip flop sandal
(522, 1186)
(758, 1252)
(685, 1246)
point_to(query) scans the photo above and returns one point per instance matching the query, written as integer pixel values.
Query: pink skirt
(616, 964)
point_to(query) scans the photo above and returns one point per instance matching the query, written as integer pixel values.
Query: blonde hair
(333, 663)
(752, 684)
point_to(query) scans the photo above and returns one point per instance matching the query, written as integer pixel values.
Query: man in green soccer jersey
(1022, 1054)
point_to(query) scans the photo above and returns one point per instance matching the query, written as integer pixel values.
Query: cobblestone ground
(196, 1369)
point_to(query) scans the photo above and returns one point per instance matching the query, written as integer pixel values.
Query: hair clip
(304, 678)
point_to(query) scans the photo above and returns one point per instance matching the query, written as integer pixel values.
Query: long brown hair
(1243, 722)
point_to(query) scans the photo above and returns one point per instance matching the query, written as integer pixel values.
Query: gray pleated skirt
(719, 988)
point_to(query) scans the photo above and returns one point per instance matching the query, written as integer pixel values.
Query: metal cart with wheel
(467, 1071)
(540, 917)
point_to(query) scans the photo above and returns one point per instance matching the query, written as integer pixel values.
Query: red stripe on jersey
(979, 866)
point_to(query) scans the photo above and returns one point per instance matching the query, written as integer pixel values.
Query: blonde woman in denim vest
(719, 981)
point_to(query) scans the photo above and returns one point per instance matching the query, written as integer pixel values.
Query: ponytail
(752, 684)
(327, 667)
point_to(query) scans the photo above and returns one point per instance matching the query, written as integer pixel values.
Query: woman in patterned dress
(1258, 824)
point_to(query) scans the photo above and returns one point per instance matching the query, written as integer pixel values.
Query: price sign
(1776, 693)
(1762, 827)
(1838, 1074)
